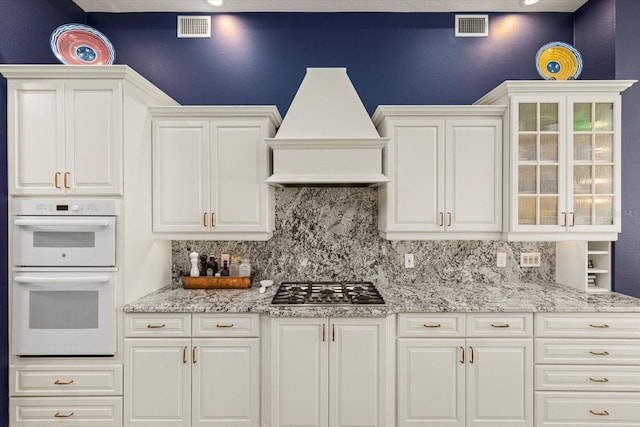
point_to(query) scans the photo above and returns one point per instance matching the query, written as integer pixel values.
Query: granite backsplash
(331, 233)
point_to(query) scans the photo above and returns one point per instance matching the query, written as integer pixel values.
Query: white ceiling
(121, 6)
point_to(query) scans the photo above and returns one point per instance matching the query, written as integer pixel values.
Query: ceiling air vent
(194, 27)
(472, 25)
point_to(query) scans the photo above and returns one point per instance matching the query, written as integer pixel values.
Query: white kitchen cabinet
(209, 168)
(483, 380)
(562, 148)
(584, 265)
(587, 369)
(65, 136)
(445, 165)
(330, 372)
(211, 379)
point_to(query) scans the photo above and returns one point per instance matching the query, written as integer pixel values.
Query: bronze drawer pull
(184, 354)
(56, 177)
(324, 332)
(58, 382)
(462, 352)
(156, 326)
(506, 325)
(432, 326)
(59, 415)
(603, 413)
(193, 354)
(601, 380)
(472, 355)
(604, 326)
(599, 353)
(224, 325)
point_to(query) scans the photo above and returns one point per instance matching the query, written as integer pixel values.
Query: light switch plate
(409, 261)
(530, 259)
(501, 259)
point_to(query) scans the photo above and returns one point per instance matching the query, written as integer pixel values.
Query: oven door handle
(61, 222)
(87, 279)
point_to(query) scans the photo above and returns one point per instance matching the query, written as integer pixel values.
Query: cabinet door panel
(500, 382)
(431, 382)
(474, 178)
(157, 382)
(237, 176)
(36, 137)
(419, 176)
(181, 176)
(299, 372)
(358, 380)
(93, 150)
(226, 383)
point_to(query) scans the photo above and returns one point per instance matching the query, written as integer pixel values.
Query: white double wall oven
(64, 277)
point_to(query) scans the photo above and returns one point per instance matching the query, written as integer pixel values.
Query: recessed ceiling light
(219, 2)
(529, 2)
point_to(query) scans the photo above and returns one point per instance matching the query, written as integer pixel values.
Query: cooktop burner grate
(327, 293)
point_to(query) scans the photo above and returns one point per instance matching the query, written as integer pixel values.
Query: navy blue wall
(391, 58)
(627, 63)
(595, 38)
(25, 27)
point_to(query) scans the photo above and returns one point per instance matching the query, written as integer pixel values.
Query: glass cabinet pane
(548, 210)
(582, 117)
(604, 147)
(526, 210)
(604, 210)
(549, 117)
(549, 147)
(582, 147)
(548, 179)
(604, 116)
(604, 180)
(581, 210)
(527, 150)
(527, 117)
(527, 180)
(582, 179)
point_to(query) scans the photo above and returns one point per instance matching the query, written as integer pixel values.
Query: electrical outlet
(501, 259)
(530, 259)
(409, 261)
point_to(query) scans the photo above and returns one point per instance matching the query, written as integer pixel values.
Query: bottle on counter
(234, 268)
(245, 268)
(225, 269)
(212, 266)
(203, 265)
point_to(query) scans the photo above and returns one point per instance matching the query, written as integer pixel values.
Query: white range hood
(327, 137)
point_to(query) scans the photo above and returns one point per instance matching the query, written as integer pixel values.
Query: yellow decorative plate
(558, 61)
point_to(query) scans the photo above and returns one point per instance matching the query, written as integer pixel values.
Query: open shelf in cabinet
(584, 265)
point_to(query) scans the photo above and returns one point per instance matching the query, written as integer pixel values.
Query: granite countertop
(399, 298)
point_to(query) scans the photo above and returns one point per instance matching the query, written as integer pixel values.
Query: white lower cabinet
(195, 381)
(465, 381)
(587, 369)
(330, 372)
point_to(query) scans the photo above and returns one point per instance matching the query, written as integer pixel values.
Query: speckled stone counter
(399, 298)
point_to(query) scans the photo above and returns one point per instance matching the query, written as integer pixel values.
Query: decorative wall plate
(78, 44)
(558, 61)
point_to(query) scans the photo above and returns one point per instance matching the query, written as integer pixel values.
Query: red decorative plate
(77, 44)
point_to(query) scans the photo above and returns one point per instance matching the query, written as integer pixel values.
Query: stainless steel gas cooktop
(327, 293)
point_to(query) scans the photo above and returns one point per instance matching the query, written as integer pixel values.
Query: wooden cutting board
(210, 282)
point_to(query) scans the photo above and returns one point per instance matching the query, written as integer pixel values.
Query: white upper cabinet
(209, 170)
(445, 165)
(65, 137)
(562, 148)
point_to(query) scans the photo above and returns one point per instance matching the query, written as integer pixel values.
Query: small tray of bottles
(216, 282)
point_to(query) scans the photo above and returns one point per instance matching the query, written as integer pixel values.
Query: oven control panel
(63, 207)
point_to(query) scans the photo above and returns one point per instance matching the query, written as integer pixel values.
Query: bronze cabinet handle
(193, 354)
(437, 325)
(213, 219)
(56, 177)
(599, 353)
(603, 326)
(564, 219)
(472, 355)
(449, 219)
(441, 219)
(603, 413)
(184, 354)
(204, 219)
(224, 325)
(333, 332)
(599, 380)
(506, 325)
(150, 326)
(66, 179)
(58, 382)
(573, 219)
(462, 355)
(59, 415)
(324, 332)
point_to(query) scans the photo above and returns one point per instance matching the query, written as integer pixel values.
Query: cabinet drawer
(65, 411)
(588, 325)
(500, 325)
(226, 325)
(587, 378)
(587, 409)
(590, 352)
(431, 325)
(157, 324)
(39, 380)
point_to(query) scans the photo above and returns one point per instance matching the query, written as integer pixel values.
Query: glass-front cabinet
(563, 158)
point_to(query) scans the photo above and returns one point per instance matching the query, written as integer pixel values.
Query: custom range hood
(327, 137)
